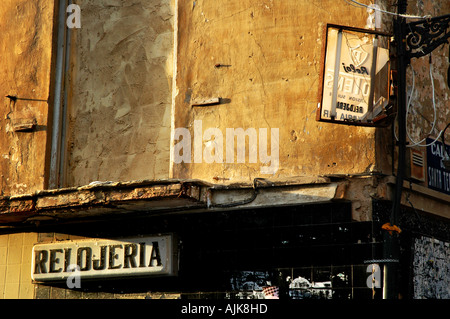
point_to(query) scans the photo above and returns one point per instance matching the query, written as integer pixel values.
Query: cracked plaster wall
(119, 111)
(272, 56)
(121, 87)
(25, 66)
(421, 115)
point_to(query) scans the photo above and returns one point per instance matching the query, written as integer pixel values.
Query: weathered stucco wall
(25, 65)
(262, 58)
(421, 115)
(119, 111)
(270, 55)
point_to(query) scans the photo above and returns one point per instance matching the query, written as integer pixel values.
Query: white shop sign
(356, 74)
(104, 258)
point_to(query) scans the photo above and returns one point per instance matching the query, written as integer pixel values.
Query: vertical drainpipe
(59, 113)
(63, 145)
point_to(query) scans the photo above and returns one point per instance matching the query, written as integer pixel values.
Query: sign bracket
(426, 35)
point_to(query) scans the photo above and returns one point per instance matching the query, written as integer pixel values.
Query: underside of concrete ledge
(104, 199)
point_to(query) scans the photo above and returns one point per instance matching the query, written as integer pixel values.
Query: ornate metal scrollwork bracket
(426, 35)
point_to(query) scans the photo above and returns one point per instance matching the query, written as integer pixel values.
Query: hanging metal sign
(356, 77)
(104, 258)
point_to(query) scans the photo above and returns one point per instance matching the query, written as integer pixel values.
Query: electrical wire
(420, 224)
(406, 16)
(415, 143)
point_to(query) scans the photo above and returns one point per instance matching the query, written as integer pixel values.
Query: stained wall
(120, 93)
(25, 72)
(428, 92)
(263, 60)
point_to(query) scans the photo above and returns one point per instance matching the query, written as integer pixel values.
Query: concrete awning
(107, 199)
(102, 198)
(155, 197)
